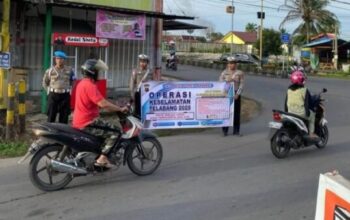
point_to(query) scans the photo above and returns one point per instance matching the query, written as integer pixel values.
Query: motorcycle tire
(132, 164)
(34, 171)
(277, 150)
(323, 133)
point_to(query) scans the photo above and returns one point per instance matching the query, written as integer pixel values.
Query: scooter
(289, 131)
(171, 62)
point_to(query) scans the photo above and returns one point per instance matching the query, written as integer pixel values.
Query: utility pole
(233, 11)
(5, 47)
(261, 30)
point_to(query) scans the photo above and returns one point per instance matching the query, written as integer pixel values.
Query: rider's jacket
(298, 100)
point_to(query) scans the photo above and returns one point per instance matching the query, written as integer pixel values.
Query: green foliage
(313, 14)
(12, 149)
(215, 36)
(299, 39)
(271, 42)
(251, 27)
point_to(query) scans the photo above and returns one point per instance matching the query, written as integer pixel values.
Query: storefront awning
(169, 25)
(121, 10)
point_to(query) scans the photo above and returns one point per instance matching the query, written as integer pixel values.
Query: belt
(59, 90)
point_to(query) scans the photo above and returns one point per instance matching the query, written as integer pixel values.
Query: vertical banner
(120, 26)
(186, 104)
(333, 198)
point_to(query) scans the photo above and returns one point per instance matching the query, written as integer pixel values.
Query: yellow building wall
(236, 40)
(146, 5)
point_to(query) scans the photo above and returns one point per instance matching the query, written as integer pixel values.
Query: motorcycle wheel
(323, 134)
(278, 147)
(141, 165)
(41, 173)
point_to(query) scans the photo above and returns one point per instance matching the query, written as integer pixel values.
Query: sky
(212, 13)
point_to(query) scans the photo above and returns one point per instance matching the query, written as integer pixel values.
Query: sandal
(105, 164)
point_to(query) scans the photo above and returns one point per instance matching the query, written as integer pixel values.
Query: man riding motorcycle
(87, 104)
(299, 101)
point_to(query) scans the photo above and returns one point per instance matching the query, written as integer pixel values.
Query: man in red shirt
(86, 110)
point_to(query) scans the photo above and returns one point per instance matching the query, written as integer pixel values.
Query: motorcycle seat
(70, 130)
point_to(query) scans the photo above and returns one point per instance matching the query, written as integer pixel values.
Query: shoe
(237, 134)
(224, 134)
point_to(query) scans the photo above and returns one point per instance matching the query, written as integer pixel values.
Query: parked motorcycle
(171, 62)
(290, 131)
(61, 152)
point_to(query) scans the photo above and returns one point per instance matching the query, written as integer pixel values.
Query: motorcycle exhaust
(67, 168)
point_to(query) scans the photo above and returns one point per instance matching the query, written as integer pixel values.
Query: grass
(339, 75)
(12, 149)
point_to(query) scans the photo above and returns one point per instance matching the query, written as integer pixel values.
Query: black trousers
(58, 103)
(137, 104)
(236, 117)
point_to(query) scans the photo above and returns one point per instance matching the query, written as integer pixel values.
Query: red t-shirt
(86, 109)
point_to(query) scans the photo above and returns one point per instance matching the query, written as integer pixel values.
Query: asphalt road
(204, 175)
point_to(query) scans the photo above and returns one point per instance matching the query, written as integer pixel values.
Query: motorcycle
(171, 62)
(290, 131)
(61, 152)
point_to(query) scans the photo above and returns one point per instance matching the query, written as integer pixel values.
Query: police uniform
(57, 82)
(138, 76)
(237, 78)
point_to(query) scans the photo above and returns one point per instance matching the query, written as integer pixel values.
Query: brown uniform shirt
(236, 77)
(137, 77)
(58, 78)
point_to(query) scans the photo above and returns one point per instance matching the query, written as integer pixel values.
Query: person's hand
(124, 109)
(236, 96)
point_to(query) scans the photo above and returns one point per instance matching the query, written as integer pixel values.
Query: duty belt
(59, 90)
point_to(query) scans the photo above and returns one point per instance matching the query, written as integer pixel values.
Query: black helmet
(92, 67)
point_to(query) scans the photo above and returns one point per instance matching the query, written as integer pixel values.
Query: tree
(271, 42)
(315, 18)
(214, 36)
(251, 27)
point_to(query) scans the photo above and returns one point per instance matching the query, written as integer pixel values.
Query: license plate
(275, 125)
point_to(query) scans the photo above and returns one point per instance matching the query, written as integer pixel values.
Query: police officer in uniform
(233, 75)
(138, 76)
(57, 82)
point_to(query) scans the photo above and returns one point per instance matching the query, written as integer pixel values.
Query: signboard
(333, 198)
(5, 60)
(143, 5)
(120, 26)
(285, 38)
(78, 40)
(186, 104)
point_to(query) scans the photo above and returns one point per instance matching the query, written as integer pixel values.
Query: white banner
(186, 104)
(333, 198)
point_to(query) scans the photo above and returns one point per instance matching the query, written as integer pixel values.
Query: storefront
(81, 18)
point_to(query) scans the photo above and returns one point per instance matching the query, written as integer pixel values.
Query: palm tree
(251, 27)
(314, 17)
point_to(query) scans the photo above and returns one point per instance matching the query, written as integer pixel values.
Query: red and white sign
(78, 40)
(333, 198)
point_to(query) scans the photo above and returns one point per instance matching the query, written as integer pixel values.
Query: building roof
(247, 37)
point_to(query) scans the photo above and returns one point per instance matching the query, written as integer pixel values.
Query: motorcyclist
(87, 104)
(299, 101)
(172, 53)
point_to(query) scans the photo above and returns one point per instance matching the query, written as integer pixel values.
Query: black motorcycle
(61, 152)
(290, 131)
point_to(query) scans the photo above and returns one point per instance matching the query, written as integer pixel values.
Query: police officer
(57, 82)
(139, 75)
(233, 75)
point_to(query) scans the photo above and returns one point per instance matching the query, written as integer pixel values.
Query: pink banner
(120, 26)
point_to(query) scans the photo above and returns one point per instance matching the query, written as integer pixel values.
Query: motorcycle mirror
(324, 90)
